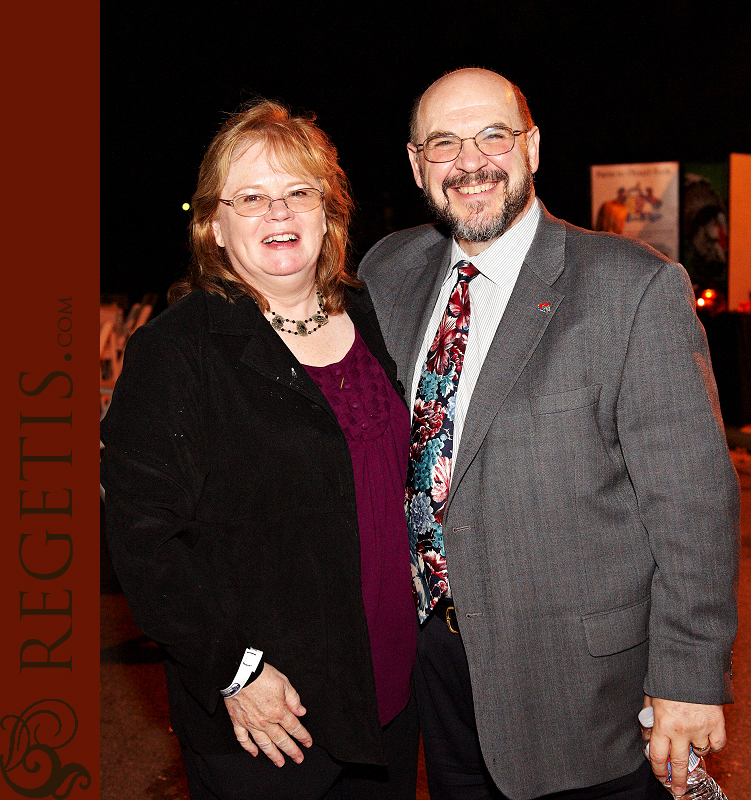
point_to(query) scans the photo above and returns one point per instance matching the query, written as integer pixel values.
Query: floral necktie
(431, 446)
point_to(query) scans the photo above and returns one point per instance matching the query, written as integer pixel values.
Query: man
(573, 510)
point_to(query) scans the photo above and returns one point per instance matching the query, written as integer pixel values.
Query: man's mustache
(468, 179)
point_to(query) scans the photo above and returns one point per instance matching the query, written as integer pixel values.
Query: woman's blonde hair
(299, 147)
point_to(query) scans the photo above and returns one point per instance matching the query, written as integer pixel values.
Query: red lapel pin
(544, 307)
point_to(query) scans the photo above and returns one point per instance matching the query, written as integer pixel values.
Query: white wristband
(250, 661)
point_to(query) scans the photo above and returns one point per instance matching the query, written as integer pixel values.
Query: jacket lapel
(520, 331)
(266, 354)
(413, 308)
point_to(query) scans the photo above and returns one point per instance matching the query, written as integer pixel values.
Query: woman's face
(279, 248)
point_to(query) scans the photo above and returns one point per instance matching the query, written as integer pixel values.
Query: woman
(254, 464)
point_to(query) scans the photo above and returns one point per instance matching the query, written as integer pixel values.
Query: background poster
(640, 201)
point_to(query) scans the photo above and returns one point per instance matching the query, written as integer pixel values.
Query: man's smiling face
(478, 196)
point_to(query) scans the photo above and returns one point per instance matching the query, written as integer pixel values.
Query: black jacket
(231, 519)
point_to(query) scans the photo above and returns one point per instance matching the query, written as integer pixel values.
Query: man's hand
(267, 710)
(677, 726)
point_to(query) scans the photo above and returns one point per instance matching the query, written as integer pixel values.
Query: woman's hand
(267, 710)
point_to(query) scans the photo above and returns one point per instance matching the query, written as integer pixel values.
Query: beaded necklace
(321, 317)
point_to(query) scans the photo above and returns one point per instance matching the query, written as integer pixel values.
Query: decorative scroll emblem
(30, 765)
(544, 307)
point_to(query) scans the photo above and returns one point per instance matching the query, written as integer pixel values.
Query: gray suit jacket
(591, 530)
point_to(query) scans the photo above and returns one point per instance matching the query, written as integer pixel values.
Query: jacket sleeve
(154, 467)
(675, 451)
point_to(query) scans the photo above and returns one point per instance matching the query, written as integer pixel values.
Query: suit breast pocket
(565, 401)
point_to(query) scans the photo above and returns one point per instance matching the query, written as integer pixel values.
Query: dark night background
(638, 82)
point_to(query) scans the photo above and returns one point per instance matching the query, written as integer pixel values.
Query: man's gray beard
(476, 230)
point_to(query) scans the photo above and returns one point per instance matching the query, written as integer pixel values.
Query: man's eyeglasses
(256, 205)
(494, 141)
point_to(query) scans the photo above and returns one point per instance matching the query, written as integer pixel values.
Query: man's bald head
(458, 81)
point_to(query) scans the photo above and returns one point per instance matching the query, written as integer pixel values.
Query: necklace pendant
(302, 329)
(277, 322)
(320, 319)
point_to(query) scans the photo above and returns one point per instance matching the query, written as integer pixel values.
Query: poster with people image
(640, 201)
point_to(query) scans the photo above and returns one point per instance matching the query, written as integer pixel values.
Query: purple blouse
(376, 424)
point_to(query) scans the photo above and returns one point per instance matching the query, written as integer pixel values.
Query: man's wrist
(250, 668)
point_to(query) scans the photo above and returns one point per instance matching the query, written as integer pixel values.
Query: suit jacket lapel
(413, 308)
(519, 333)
